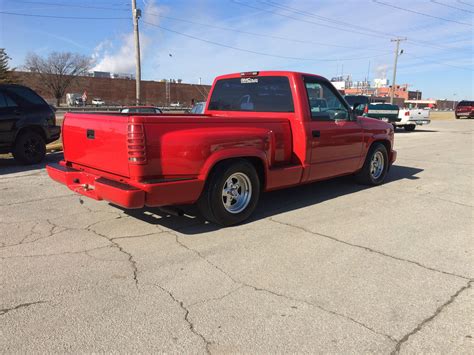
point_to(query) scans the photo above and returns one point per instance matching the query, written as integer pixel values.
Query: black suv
(27, 124)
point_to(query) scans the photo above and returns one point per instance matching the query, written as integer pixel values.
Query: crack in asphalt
(420, 326)
(370, 249)
(35, 200)
(52, 232)
(191, 325)
(293, 299)
(23, 305)
(53, 254)
(131, 260)
(213, 299)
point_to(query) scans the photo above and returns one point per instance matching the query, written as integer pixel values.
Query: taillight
(136, 145)
(366, 109)
(407, 113)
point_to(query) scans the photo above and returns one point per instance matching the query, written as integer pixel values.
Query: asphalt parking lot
(331, 267)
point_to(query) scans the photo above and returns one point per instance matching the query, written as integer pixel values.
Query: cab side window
(323, 102)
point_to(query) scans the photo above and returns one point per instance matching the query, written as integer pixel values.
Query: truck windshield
(255, 94)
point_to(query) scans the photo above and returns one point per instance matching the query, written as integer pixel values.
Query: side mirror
(358, 109)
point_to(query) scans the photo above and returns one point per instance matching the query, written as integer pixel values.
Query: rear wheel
(231, 193)
(410, 127)
(375, 166)
(30, 148)
(457, 117)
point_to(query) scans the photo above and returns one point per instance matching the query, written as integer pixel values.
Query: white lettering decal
(248, 80)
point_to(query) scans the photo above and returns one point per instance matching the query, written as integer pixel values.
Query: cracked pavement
(330, 267)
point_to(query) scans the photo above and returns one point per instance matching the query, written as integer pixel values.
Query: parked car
(465, 109)
(198, 108)
(27, 124)
(410, 118)
(380, 110)
(79, 102)
(97, 101)
(260, 132)
(141, 109)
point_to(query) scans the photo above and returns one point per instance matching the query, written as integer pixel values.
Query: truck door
(336, 138)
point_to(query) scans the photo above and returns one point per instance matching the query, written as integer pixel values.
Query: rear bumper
(419, 122)
(125, 194)
(465, 114)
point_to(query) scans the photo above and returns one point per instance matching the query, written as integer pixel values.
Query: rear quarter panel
(190, 146)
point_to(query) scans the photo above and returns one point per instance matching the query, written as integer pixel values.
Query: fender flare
(232, 153)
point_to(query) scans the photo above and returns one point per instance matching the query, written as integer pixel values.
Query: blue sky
(204, 38)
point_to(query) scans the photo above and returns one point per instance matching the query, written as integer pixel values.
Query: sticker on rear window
(249, 80)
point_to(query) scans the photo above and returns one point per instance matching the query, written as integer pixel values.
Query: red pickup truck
(261, 131)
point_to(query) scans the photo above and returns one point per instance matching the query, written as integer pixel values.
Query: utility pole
(136, 13)
(397, 53)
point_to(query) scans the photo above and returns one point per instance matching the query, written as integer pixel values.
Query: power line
(255, 33)
(70, 5)
(256, 52)
(350, 25)
(465, 3)
(452, 7)
(304, 20)
(64, 17)
(321, 18)
(347, 28)
(420, 13)
(429, 60)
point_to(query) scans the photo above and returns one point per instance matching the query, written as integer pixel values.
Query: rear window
(356, 99)
(383, 107)
(254, 94)
(466, 103)
(27, 95)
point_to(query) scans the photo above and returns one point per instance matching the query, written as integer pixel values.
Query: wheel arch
(31, 128)
(256, 160)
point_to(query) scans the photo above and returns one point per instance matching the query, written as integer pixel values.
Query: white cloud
(119, 60)
(109, 58)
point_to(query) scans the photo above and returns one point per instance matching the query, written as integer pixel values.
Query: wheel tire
(457, 117)
(394, 127)
(366, 175)
(410, 127)
(29, 148)
(212, 203)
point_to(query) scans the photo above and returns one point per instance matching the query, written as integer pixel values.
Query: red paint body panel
(177, 152)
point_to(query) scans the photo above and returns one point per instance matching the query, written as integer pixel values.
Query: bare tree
(58, 70)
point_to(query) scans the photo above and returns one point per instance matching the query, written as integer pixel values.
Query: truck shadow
(8, 165)
(271, 203)
(402, 131)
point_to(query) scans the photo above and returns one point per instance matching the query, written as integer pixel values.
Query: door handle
(316, 134)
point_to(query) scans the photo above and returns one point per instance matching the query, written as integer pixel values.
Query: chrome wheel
(377, 165)
(236, 193)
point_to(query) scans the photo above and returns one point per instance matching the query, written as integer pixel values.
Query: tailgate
(419, 114)
(97, 141)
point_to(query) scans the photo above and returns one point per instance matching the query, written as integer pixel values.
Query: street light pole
(138, 71)
(397, 53)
